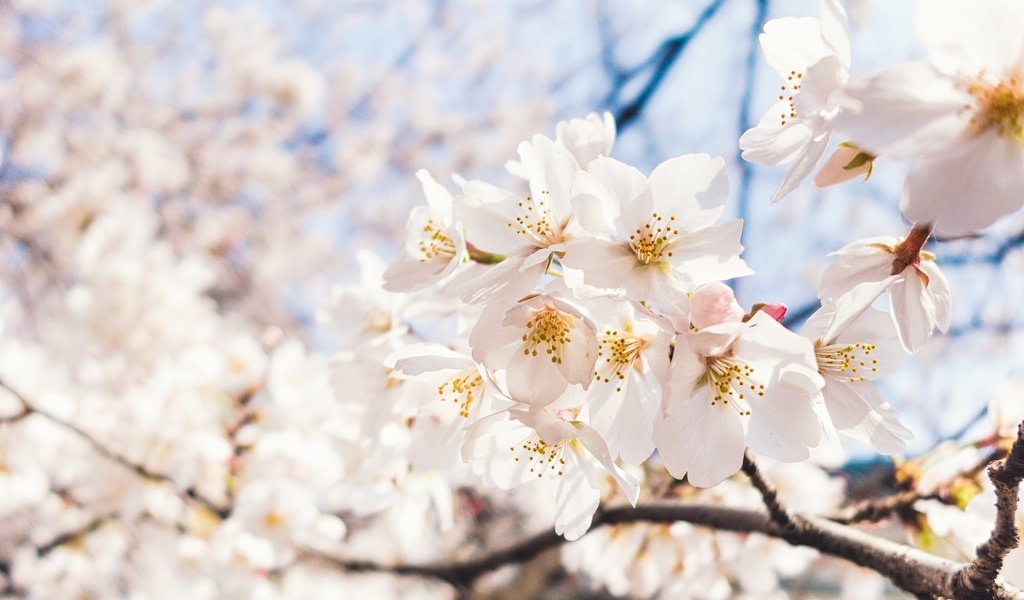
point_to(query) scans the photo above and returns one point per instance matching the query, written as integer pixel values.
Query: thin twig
(978, 579)
(113, 456)
(874, 510)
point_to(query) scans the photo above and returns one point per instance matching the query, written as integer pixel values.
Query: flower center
(536, 222)
(435, 243)
(620, 352)
(999, 105)
(731, 381)
(789, 91)
(652, 242)
(849, 361)
(463, 390)
(548, 332)
(540, 455)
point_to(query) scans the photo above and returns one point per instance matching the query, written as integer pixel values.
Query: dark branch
(776, 510)
(661, 62)
(913, 570)
(978, 579)
(872, 511)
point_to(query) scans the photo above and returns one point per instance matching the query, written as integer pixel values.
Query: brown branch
(113, 456)
(872, 511)
(912, 570)
(978, 579)
(776, 510)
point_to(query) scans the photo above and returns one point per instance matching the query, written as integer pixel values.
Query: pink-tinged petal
(969, 37)
(492, 343)
(714, 303)
(835, 29)
(942, 296)
(859, 410)
(694, 187)
(597, 448)
(776, 139)
(834, 171)
(792, 44)
(783, 423)
(906, 110)
(968, 188)
(485, 212)
(701, 441)
(534, 380)
(710, 254)
(776, 311)
(913, 311)
(802, 167)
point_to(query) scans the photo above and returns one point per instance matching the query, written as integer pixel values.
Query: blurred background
(169, 167)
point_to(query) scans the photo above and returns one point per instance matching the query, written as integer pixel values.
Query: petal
(701, 441)
(850, 306)
(942, 296)
(913, 311)
(906, 110)
(551, 169)
(783, 423)
(850, 270)
(621, 188)
(776, 139)
(835, 29)
(485, 212)
(694, 187)
(968, 188)
(710, 254)
(969, 37)
(802, 167)
(858, 409)
(576, 501)
(597, 448)
(792, 44)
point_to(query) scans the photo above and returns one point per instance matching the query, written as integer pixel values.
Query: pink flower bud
(713, 303)
(775, 311)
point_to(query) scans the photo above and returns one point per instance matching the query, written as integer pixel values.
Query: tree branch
(978, 579)
(776, 510)
(109, 454)
(912, 570)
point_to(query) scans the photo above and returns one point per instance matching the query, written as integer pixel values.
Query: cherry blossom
(736, 385)
(515, 447)
(812, 56)
(655, 238)
(850, 359)
(865, 269)
(961, 116)
(544, 343)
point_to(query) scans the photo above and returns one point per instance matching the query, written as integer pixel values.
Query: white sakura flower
(962, 116)
(434, 243)
(514, 447)
(918, 291)
(655, 238)
(586, 139)
(519, 234)
(735, 385)
(543, 342)
(461, 385)
(630, 376)
(813, 58)
(850, 359)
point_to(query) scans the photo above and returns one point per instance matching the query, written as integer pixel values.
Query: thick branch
(978, 579)
(913, 570)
